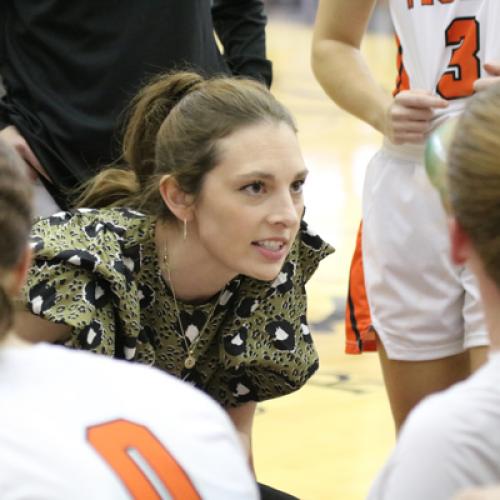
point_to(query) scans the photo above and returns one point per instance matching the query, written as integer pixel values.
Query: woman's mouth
(274, 249)
(273, 245)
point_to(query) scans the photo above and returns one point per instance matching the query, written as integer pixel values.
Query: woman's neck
(492, 313)
(490, 297)
(192, 274)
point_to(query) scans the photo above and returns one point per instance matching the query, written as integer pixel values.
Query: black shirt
(71, 67)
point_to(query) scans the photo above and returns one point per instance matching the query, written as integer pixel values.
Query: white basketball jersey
(79, 426)
(444, 44)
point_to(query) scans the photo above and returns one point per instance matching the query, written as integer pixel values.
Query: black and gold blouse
(97, 271)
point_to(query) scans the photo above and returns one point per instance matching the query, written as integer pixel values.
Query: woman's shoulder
(83, 217)
(87, 228)
(309, 250)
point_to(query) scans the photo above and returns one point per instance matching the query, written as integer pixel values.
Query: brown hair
(474, 176)
(15, 222)
(173, 127)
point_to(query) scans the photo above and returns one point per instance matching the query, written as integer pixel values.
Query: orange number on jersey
(464, 67)
(427, 2)
(114, 440)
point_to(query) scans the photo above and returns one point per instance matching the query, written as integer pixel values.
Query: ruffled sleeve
(266, 349)
(82, 276)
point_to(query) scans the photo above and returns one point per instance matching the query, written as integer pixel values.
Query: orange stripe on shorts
(360, 335)
(402, 81)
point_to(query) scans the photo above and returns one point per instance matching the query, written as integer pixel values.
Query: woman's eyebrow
(266, 175)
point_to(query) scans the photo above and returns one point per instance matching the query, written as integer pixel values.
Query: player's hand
(12, 137)
(493, 70)
(492, 493)
(409, 117)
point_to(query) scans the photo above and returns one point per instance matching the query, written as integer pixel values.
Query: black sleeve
(4, 117)
(240, 26)
(3, 16)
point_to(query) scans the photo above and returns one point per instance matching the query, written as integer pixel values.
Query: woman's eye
(254, 188)
(298, 186)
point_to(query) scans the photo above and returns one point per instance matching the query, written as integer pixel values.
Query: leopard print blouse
(97, 271)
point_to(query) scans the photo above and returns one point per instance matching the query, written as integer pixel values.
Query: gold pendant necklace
(190, 361)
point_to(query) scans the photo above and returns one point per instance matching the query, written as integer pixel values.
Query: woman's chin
(265, 274)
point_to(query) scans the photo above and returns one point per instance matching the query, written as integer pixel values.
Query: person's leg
(408, 382)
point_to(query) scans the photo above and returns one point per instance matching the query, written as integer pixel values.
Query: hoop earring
(185, 231)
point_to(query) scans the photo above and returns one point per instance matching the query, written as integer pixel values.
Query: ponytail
(113, 186)
(148, 111)
(124, 183)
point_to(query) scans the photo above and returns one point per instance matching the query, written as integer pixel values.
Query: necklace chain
(190, 360)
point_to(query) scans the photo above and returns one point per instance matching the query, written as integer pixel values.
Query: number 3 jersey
(443, 45)
(79, 426)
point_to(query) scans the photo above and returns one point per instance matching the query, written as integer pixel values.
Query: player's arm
(242, 417)
(241, 28)
(345, 76)
(339, 65)
(33, 328)
(13, 137)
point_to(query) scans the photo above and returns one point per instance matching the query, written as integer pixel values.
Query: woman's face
(249, 209)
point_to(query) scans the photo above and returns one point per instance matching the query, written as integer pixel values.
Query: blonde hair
(474, 176)
(173, 127)
(15, 223)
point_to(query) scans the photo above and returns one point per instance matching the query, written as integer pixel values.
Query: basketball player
(78, 426)
(424, 309)
(450, 441)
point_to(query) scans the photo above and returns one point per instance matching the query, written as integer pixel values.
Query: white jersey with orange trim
(78, 426)
(421, 305)
(444, 44)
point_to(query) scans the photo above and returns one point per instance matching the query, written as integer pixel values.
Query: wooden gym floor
(328, 440)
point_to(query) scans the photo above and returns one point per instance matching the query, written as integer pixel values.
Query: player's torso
(43, 434)
(444, 44)
(79, 426)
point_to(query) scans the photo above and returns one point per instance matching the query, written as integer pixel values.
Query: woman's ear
(460, 242)
(177, 201)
